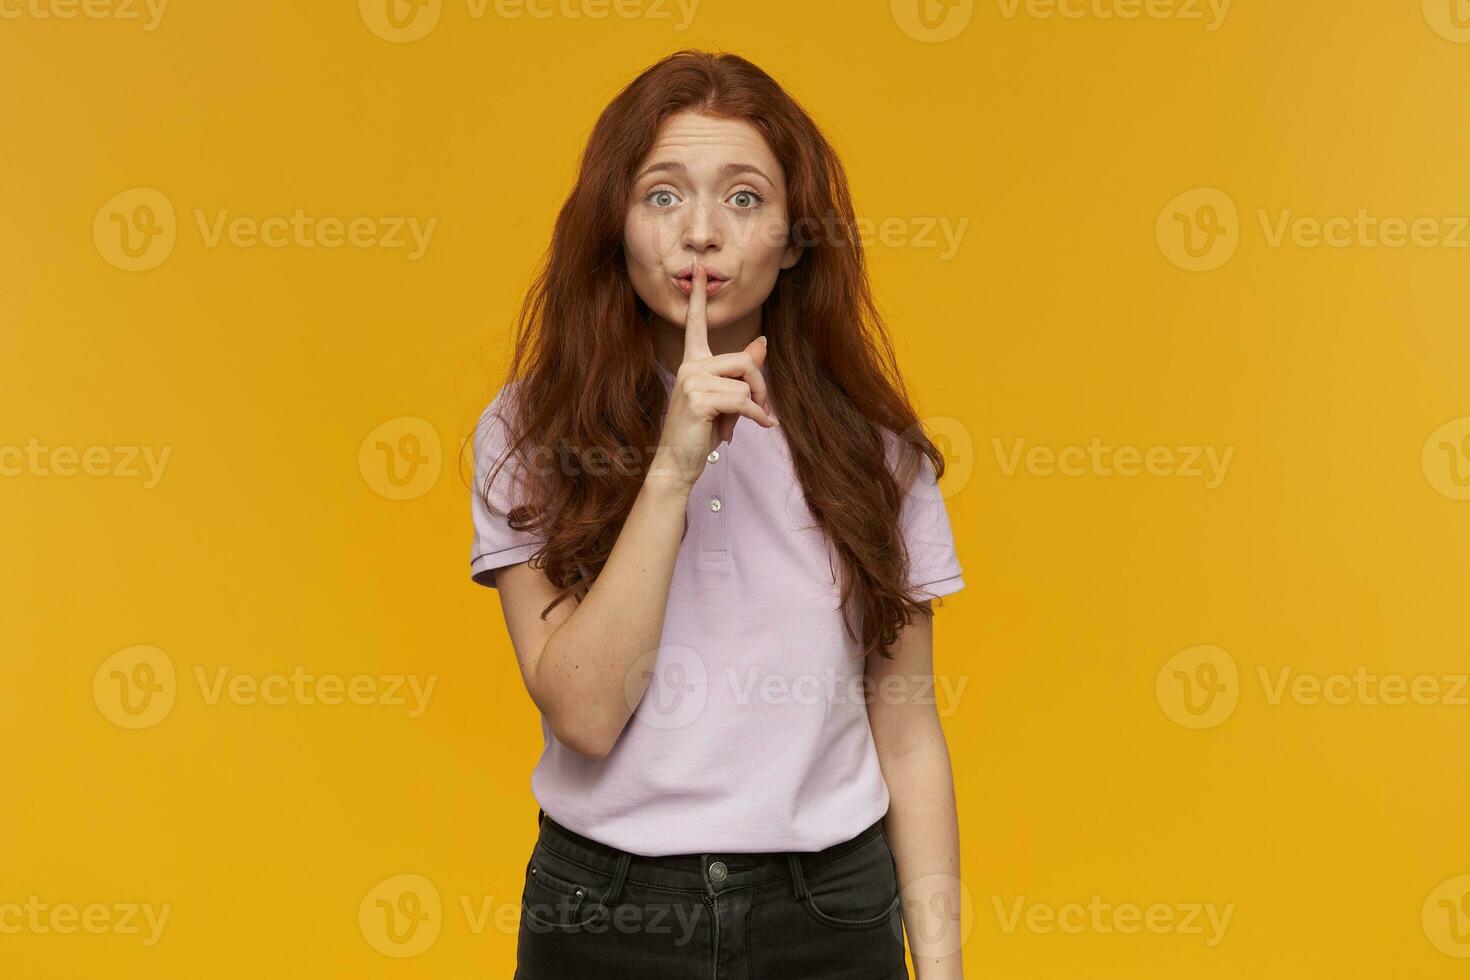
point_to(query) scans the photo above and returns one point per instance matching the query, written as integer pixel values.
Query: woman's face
(710, 189)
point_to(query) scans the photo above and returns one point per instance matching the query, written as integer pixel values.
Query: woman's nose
(701, 229)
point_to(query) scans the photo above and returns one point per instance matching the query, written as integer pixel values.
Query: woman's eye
(745, 200)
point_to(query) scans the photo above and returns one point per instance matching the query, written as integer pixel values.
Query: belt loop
(620, 873)
(799, 882)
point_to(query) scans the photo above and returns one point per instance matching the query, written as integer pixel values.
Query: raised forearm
(581, 679)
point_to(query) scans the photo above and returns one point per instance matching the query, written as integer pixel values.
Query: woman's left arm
(922, 823)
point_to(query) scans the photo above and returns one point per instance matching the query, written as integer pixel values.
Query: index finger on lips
(696, 330)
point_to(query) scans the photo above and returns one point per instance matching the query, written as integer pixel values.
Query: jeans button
(718, 871)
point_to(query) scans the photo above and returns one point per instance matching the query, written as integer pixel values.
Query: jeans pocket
(856, 890)
(561, 895)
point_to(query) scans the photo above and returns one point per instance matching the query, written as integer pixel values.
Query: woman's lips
(686, 286)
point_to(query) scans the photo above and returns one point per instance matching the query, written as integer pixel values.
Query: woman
(721, 795)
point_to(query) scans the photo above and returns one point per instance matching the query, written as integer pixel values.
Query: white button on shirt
(752, 734)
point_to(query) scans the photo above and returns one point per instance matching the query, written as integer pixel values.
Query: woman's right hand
(710, 393)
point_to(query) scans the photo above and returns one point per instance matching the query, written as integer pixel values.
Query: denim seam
(657, 886)
(675, 888)
(627, 880)
(848, 848)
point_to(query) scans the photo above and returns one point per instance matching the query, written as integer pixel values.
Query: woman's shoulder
(900, 448)
(499, 412)
(493, 431)
(503, 399)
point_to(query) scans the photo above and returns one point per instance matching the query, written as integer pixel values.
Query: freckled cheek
(650, 241)
(641, 244)
(765, 245)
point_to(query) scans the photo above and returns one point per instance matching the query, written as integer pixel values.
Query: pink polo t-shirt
(753, 734)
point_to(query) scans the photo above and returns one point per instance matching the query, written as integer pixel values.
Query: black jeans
(589, 910)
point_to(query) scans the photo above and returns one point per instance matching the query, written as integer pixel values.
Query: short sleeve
(495, 543)
(934, 565)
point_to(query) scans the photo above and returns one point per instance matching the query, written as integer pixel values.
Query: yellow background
(1335, 540)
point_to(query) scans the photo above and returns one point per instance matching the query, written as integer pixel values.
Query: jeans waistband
(693, 872)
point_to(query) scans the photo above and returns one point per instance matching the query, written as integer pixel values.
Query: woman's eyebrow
(675, 167)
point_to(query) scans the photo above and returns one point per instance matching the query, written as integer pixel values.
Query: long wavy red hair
(586, 377)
